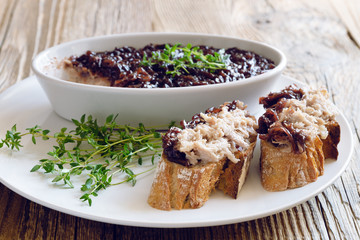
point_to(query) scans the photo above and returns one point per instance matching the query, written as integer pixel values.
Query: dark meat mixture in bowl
(124, 67)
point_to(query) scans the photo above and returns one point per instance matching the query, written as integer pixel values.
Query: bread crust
(177, 187)
(234, 175)
(281, 169)
(330, 143)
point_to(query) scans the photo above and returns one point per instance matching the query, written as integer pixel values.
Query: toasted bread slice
(298, 132)
(211, 151)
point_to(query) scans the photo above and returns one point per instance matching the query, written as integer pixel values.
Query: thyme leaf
(102, 153)
(180, 59)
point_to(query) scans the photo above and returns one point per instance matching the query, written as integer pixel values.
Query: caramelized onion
(280, 133)
(291, 92)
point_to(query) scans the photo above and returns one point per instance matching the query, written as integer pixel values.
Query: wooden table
(320, 38)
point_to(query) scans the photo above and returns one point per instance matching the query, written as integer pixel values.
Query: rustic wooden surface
(320, 38)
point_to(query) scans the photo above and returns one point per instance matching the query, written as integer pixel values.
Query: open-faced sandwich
(297, 131)
(213, 150)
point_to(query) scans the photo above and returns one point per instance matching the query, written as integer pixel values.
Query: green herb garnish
(181, 58)
(100, 152)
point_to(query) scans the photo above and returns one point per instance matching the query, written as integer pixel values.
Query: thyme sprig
(181, 58)
(102, 152)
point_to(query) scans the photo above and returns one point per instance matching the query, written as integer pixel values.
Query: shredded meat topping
(211, 136)
(293, 115)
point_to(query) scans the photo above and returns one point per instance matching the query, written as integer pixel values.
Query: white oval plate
(26, 105)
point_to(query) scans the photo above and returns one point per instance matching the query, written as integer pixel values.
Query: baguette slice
(211, 151)
(298, 132)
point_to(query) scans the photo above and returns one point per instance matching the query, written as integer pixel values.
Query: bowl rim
(277, 70)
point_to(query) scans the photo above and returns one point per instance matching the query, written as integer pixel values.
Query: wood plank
(349, 13)
(14, 209)
(18, 45)
(321, 41)
(6, 12)
(65, 226)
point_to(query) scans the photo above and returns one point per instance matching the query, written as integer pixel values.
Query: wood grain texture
(320, 38)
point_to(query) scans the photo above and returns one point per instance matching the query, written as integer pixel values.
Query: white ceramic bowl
(149, 106)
